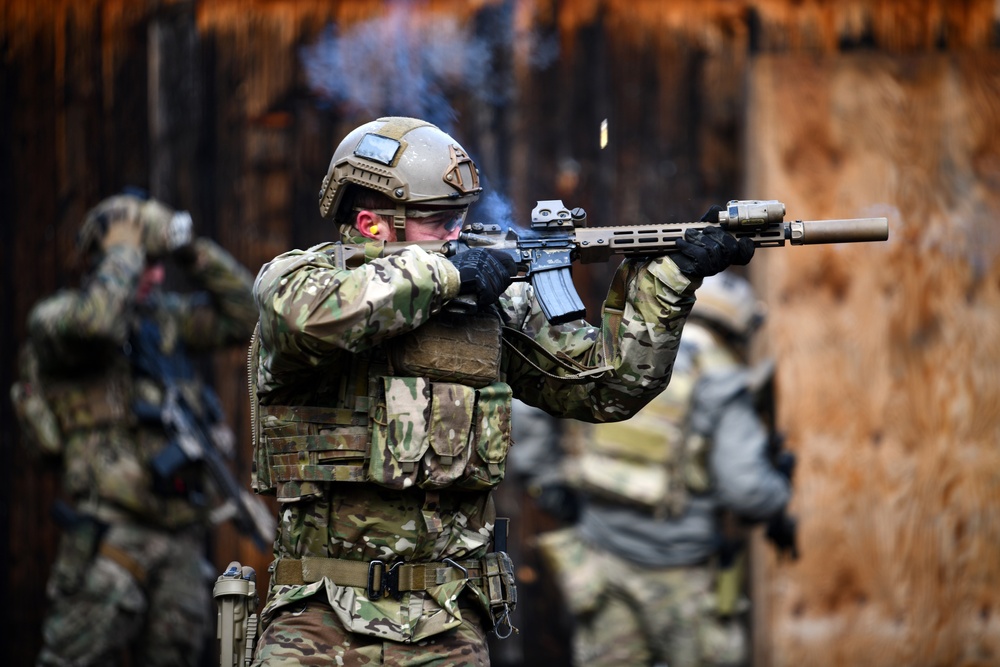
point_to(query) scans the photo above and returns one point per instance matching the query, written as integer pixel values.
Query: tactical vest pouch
(627, 482)
(497, 591)
(438, 434)
(449, 451)
(305, 447)
(463, 348)
(490, 438)
(399, 437)
(90, 404)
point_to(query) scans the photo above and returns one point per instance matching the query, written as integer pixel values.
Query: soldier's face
(425, 225)
(151, 278)
(445, 226)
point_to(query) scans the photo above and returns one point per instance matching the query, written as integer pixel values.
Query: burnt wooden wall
(206, 104)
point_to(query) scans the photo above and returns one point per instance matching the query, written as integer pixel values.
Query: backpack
(39, 427)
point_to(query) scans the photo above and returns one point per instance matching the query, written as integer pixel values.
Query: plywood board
(888, 357)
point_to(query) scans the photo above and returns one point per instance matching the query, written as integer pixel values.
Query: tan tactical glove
(122, 224)
(166, 230)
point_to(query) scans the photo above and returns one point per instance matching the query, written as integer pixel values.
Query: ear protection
(373, 229)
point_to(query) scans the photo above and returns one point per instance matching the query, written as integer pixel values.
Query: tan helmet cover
(408, 160)
(728, 300)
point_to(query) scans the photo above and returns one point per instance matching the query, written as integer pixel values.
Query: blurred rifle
(782, 528)
(559, 236)
(191, 441)
(196, 435)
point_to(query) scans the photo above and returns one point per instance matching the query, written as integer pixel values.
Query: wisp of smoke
(492, 208)
(402, 63)
(411, 63)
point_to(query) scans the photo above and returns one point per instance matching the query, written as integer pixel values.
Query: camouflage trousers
(626, 614)
(133, 591)
(310, 633)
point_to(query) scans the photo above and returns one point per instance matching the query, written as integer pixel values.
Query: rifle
(191, 441)
(782, 528)
(559, 236)
(192, 438)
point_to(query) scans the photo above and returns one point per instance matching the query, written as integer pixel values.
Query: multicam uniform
(637, 570)
(129, 568)
(384, 426)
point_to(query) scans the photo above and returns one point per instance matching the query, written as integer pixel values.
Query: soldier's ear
(370, 226)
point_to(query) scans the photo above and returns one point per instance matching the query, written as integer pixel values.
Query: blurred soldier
(647, 572)
(383, 388)
(130, 572)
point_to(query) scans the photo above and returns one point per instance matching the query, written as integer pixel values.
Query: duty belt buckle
(388, 580)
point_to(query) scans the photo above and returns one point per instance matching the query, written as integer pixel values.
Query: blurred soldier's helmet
(728, 301)
(412, 162)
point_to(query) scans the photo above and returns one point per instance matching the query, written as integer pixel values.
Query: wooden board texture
(888, 356)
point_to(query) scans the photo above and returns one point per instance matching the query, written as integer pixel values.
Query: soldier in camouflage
(129, 577)
(645, 571)
(382, 392)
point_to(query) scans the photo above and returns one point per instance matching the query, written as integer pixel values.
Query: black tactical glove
(709, 251)
(781, 532)
(784, 463)
(712, 214)
(485, 273)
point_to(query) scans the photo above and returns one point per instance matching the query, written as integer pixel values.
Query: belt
(117, 555)
(378, 578)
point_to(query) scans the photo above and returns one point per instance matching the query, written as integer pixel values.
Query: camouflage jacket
(82, 339)
(327, 337)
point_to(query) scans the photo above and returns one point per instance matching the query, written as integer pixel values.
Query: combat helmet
(413, 163)
(727, 301)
